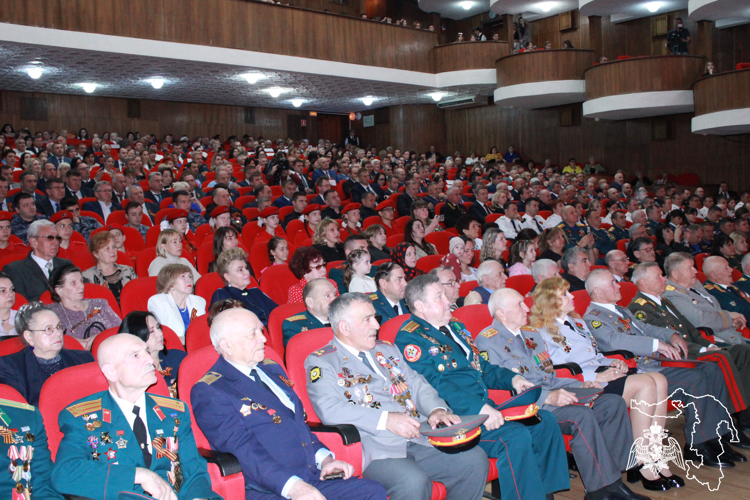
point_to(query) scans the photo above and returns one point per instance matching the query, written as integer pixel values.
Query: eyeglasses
(49, 237)
(49, 330)
(451, 283)
(314, 267)
(620, 260)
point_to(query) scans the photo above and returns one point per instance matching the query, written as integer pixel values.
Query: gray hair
(339, 309)
(540, 268)
(632, 229)
(484, 269)
(745, 262)
(415, 289)
(435, 271)
(26, 314)
(311, 286)
(593, 279)
(132, 187)
(640, 271)
(569, 257)
(674, 260)
(152, 174)
(100, 184)
(35, 226)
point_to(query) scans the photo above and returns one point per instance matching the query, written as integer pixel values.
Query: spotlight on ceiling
(157, 83)
(275, 91)
(467, 5)
(253, 77)
(436, 96)
(297, 102)
(368, 100)
(546, 6)
(89, 87)
(35, 72)
(654, 6)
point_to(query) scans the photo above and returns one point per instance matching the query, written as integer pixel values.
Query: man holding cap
(356, 379)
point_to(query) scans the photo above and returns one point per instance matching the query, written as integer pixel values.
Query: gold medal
(97, 424)
(177, 422)
(276, 419)
(89, 426)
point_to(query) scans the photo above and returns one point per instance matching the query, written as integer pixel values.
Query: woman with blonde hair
(494, 244)
(174, 304)
(328, 241)
(169, 251)
(569, 340)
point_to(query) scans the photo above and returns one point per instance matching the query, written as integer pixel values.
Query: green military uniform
(730, 298)
(604, 242)
(531, 461)
(652, 227)
(25, 462)
(299, 323)
(743, 285)
(619, 234)
(384, 309)
(573, 234)
(734, 360)
(99, 452)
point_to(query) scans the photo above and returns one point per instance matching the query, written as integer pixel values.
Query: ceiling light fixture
(467, 5)
(297, 102)
(436, 96)
(35, 72)
(89, 87)
(275, 91)
(546, 6)
(368, 100)
(653, 6)
(157, 83)
(253, 77)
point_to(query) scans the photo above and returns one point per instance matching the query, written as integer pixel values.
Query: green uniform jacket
(573, 234)
(22, 424)
(730, 298)
(461, 379)
(101, 462)
(299, 323)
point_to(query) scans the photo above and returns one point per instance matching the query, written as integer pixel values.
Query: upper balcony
(722, 103)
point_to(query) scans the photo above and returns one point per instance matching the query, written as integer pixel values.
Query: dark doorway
(334, 128)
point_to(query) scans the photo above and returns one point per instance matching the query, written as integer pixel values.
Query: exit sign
(303, 123)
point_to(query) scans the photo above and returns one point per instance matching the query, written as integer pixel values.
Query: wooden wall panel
(721, 92)
(543, 66)
(239, 24)
(414, 127)
(472, 55)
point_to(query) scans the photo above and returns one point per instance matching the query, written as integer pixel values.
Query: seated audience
(317, 295)
(522, 256)
(356, 272)
(552, 244)
(107, 272)
(336, 274)
(280, 456)
(719, 285)
(174, 304)
(233, 269)
(224, 238)
(351, 218)
(268, 221)
(278, 251)
(7, 313)
(306, 264)
(41, 332)
(146, 327)
(494, 245)
(414, 233)
(466, 257)
(376, 241)
(389, 298)
(82, 318)
(490, 277)
(405, 255)
(618, 264)
(576, 267)
(63, 221)
(169, 251)
(420, 211)
(328, 241)
(723, 246)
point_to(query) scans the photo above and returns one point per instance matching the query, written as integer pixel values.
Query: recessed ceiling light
(35, 72)
(654, 6)
(546, 6)
(275, 91)
(436, 96)
(467, 5)
(297, 102)
(89, 87)
(253, 77)
(157, 83)
(368, 100)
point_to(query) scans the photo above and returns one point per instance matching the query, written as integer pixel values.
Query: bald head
(711, 265)
(115, 347)
(507, 306)
(596, 282)
(501, 298)
(237, 334)
(126, 363)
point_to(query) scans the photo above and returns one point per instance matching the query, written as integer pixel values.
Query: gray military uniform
(599, 461)
(625, 332)
(702, 312)
(344, 389)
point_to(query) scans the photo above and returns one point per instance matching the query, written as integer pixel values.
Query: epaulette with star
(164, 402)
(324, 350)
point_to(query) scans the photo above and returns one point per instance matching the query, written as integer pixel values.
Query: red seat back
(369, 221)
(743, 65)
(467, 287)
(276, 320)
(699, 261)
(198, 334)
(90, 291)
(475, 317)
(275, 283)
(628, 291)
(390, 328)
(9, 393)
(429, 262)
(701, 277)
(299, 347)
(14, 345)
(259, 257)
(622, 245)
(441, 240)
(135, 294)
(581, 300)
(205, 256)
(522, 283)
(11, 258)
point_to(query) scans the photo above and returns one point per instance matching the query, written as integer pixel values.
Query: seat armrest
(227, 463)
(349, 433)
(573, 368)
(707, 333)
(620, 352)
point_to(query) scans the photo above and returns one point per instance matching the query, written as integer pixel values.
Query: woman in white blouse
(174, 304)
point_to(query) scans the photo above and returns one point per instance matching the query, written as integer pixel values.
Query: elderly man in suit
(599, 461)
(388, 301)
(405, 199)
(30, 275)
(103, 204)
(317, 296)
(685, 291)
(531, 461)
(719, 286)
(394, 453)
(650, 306)
(615, 328)
(245, 405)
(490, 277)
(124, 440)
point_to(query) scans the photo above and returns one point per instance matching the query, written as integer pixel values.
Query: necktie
(487, 209)
(395, 309)
(697, 292)
(48, 265)
(447, 331)
(259, 377)
(567, 323)
(366, 361)
(56, 206)
(539, 226)
(140, 434)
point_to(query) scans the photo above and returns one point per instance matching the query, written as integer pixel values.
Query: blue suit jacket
(236, 414)
(93, 206)
(282, 201)
(383, 308)
(253, 299)
(76, 472)
(484, 293)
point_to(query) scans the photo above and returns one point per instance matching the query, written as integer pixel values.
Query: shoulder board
(574, 315)
(85, 407)
(410, 326)
(298, 317)
(455, 319)
(640, 302)
(562, 224)
(709, 287)
(489, 333)
(670, 288)
(593, 312)
(165, 402)
(528, 328)
(373, 296)
(16, 404)
(269, 362)
(210, 377)
(340, 266)
(383, 342)
(580, 225)
(611, 229)
(324, 350)
(742, 279)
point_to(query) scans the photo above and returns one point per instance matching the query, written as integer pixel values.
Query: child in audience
(355, 273)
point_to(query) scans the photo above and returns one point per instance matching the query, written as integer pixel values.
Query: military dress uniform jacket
(24, 444)
(383, 308)
(604, 241)
(619, 234)
(729, 298)
(743, 284)
(299, 323)
(99, 452)
(343, 390)
(703, 313)
(452, 213)
(573, 234)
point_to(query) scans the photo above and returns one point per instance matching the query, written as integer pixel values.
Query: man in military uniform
(124, 440)
(604, 241)
(531, 461)
(616, 328)
(685, 291)
(245, 405)
(651, 307)
(388, 301)
(654, 219)
(25, 458)
(575, 232)
(719, 285)
(317, 296)
(743, 284)
(618, 227)
(508, 342)
(357, 379)
(453, 209)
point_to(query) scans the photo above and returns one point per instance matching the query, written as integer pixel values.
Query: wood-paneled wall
(643, 74)
(473, 55)
(414, 127)
(721, 92)
(543, 66)
(238, 24)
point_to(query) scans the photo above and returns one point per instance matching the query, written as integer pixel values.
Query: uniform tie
(366, 361)
(697, 292)
(395, 309)
(567, 323)
(140, 434)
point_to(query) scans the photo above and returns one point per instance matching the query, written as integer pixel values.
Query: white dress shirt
(398, 304)
(106, 209)
(42, 263)
(552, 221)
